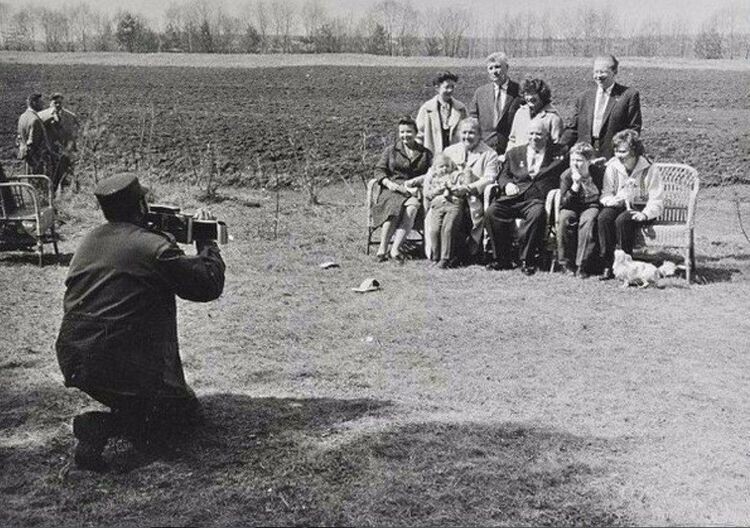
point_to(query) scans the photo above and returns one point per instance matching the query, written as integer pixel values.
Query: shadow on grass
(269, 461)
(713, 275)
(19, 257)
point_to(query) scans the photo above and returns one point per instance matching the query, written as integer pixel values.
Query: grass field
(458, 397)
(449, 397)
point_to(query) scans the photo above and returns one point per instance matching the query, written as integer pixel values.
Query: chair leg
(688, 265)
(369, 241)
(54, 244)
(40, 252)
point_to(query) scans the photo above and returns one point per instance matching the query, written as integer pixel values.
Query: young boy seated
(445, 188)
(580, 187)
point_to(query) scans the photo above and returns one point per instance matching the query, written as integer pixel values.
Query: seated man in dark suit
(604, 110)
(529, 173)
(495, 103)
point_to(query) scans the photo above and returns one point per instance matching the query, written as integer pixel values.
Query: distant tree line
(389, 27)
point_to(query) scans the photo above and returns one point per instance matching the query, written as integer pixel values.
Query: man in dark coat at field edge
(118, 339)
(495, 104)
(602, 112)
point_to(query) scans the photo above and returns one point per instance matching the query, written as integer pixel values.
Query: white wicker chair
(675, 226)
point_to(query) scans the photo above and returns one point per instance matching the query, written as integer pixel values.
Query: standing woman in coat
(398, 203)
(438, 118)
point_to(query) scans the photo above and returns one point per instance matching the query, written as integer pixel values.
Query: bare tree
(55, 29)
(313, 17)
(82, 20)
(451, 25)
(282, 16)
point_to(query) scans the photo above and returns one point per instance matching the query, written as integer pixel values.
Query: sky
(693, 11)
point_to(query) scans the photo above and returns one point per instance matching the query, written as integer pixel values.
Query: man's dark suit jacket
(482, 107)
(623, 111)
(515, 170)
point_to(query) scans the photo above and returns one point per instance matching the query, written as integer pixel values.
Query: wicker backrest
(680, 193)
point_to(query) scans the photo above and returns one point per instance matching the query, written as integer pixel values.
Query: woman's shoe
(399, 258)
(381, 258)
(607, 275)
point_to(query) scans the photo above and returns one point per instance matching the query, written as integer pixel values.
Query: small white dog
(635, 272)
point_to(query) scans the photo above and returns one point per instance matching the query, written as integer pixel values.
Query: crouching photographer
(118, 339)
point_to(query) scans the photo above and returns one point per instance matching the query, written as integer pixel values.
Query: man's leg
(498, 220)
(531, 233)
(567, 238)
(587, 239)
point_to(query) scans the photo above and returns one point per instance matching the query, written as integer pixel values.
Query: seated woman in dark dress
(398, 203)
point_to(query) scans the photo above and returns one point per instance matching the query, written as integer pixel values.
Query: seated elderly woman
(538, 106)
(438, 118)
(632, 196)
(398, 203)
(484, 165)
(580, 188)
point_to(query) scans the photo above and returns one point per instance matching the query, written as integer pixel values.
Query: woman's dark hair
(537, 86)
(631, 140)
(407, 120)
(443, 76)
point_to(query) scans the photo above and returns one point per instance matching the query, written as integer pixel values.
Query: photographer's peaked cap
(120, 188)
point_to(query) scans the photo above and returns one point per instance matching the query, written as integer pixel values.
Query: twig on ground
(737, 204)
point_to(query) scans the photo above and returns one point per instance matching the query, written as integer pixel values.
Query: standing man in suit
(495, 103)
(33, 144)
(602, 112)
(529, 173)
(62, 130)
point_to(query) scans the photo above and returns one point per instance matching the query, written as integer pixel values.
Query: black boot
(92, 430)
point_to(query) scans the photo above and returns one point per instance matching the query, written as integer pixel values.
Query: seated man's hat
(119, 191)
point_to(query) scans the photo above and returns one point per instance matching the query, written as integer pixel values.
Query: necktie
(499, 105)
(601, 105)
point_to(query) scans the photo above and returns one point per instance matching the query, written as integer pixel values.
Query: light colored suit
(429, 128)
(485, 166)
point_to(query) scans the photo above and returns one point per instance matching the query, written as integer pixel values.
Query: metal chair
(27, 214)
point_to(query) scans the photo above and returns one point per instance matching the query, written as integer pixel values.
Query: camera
(183, 227)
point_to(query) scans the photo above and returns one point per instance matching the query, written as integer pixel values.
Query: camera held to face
(183, 227)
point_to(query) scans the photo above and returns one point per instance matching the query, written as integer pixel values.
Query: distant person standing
(62, 129)
(602, 112)
(495, 103)
(32, 141)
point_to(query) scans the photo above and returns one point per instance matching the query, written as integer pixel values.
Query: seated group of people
(512, 137)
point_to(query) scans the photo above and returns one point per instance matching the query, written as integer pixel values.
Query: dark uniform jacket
(119, 331)
(516, 171)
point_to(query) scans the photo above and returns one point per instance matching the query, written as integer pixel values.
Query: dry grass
(449, 397)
